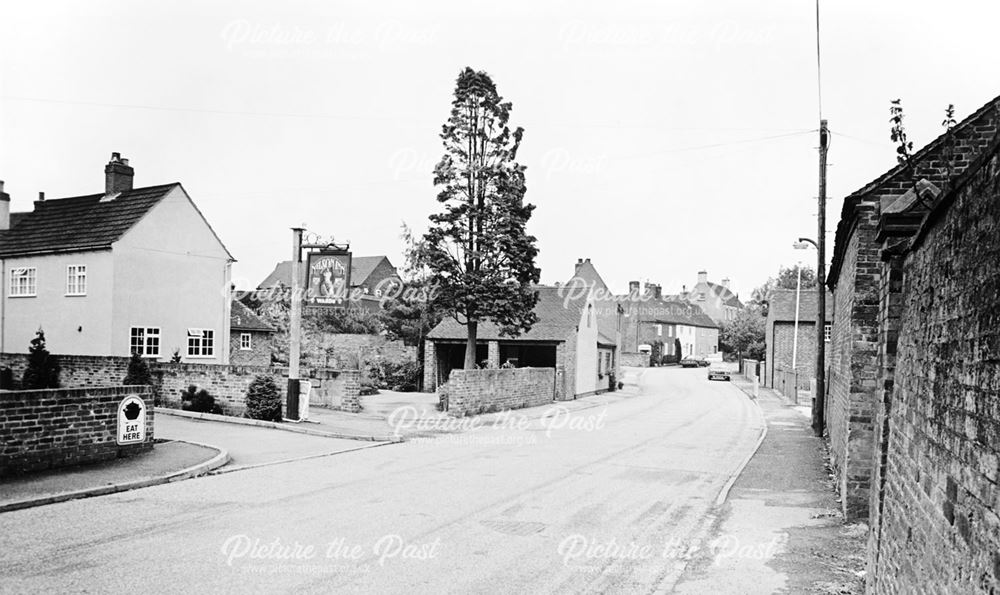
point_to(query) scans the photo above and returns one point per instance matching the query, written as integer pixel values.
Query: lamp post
(818, 410)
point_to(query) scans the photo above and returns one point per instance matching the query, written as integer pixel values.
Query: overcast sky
(660, 137)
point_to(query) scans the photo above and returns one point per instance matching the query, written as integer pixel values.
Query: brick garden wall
(338, 389)
(940, 529)
(470, 392)
(44, 429)
(854, 365)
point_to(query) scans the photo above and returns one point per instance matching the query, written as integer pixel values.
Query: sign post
(295, 328)
(131, 420)
(325, 283)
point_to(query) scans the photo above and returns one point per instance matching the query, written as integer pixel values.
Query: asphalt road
(613, 498)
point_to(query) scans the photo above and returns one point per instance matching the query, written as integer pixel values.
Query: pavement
(610, 493)
(168, 461)
(254, 446)
(781, 529)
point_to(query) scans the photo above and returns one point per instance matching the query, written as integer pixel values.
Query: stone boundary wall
(344, 351)
(635, 360)
(45, 429)
(336, 389)
(470, 392)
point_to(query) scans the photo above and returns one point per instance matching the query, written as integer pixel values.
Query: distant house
(716, 300)
(654, 324)
(370, 277)
(251, 339)
(783, 353)
(126, 270)
(566, 337)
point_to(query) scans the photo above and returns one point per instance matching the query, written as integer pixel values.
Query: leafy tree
(744, 334)
(43, 367)
(787, 279)
(477, 248)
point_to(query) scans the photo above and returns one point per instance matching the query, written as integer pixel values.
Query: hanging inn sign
(328, 275)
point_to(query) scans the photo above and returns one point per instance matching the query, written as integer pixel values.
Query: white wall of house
(172, 273)
(586, 350)
(75, 324)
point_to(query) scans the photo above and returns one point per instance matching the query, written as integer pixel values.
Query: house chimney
(702, 277)
(633, 287)
(725, 282)
(117, 175)
(587, 260)
(684, 292)
(4, 209)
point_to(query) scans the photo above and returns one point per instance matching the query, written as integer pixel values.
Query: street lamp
(819, 400)
(802, 244)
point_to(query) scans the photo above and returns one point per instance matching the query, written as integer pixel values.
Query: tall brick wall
(854, 366)
(470, 392)
(44, 429)
(940, 529)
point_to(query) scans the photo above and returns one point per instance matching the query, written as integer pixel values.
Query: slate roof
(586, 271)
(781, 305)
(79, 223)
(243, 318)
(667, 311)
(361, 268)
(556, 320)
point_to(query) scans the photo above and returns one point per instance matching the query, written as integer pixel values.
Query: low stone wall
(339, 389)
(635, 360)
(44, 429)
(470, 392)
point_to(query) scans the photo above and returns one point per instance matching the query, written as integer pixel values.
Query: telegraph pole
(819, 399)
(295, 328)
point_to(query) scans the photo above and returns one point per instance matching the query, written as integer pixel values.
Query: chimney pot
(587, 260)
(702, 277)
(579, 261)
(41, 195)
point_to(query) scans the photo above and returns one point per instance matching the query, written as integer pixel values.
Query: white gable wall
(173, 273)
(586, 349)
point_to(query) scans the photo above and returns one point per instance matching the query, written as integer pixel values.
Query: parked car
(693, 361)
(720, 371)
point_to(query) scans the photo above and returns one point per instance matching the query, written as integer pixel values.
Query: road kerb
(222, 470)
(724, 493)
(243, 421)
(220, 459)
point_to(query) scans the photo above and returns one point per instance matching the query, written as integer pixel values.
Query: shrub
(195, 399)
(397, 376)
(263, 399)
(138, 372)
(43, 368)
